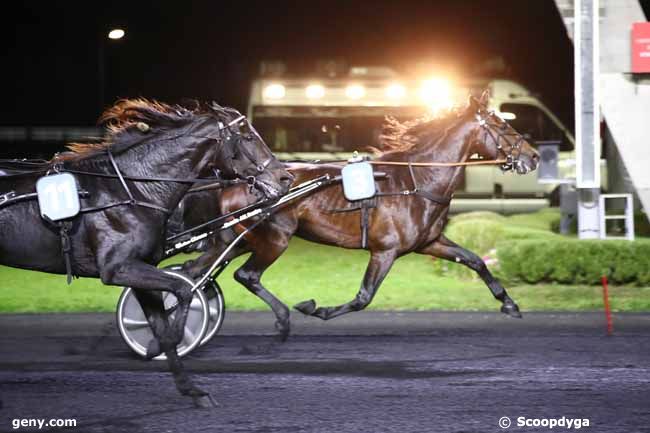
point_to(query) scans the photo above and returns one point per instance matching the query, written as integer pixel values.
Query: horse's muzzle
(268, 191)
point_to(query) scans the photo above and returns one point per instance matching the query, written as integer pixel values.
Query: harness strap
(215, 185)
(429, 196)
(11, 197)
(66, 248)
(431, 164)
(365, 218)
(434, 198)
(119, 175)
(66, 245)
(123, 203)
(132, 201)
(442, 200)
(145, 179)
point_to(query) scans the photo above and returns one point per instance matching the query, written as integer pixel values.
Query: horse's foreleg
(148, 282)
(448, 250)
(380, 264)
(154, 310)
(249, 275)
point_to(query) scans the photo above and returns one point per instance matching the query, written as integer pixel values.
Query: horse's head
(496, 139)
(246, 155)
(216, 138)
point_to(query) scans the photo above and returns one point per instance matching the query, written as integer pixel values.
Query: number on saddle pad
(358, 181)
(58, 197)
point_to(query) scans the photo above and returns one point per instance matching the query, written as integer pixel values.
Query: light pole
(114, 34)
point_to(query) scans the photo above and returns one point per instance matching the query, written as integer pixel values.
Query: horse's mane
(126, 123)
(399, 136)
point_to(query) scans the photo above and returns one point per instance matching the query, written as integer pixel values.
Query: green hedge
(573, 261)
(480, 232)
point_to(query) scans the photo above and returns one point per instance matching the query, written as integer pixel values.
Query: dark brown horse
(399, 224)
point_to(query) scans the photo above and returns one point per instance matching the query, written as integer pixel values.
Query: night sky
(212, 49)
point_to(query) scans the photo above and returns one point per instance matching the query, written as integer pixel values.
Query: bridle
(498, 133)
(233, 147)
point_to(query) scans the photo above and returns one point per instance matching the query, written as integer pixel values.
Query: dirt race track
(366, 372)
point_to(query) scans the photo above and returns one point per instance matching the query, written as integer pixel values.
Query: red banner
(641, 47)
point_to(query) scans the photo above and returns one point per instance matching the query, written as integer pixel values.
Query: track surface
(366, 372)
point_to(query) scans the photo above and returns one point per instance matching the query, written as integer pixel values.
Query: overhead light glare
(395, 91)
(355, 91)
(274, 91)
(436, 93)
(116, 34)
(315, 91)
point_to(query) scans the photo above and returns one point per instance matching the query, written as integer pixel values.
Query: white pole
(587, 115)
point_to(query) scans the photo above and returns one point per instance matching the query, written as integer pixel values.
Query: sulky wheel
(135, 330)
(215, 304)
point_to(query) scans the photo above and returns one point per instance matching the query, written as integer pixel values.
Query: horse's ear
(485, 98)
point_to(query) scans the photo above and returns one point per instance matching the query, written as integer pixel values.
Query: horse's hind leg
(146, 278)
(250, 274)
(448, 250)
(197, 267)
(380, 264)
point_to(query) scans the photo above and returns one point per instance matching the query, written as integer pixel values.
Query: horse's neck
(452, 148)
(162, 159)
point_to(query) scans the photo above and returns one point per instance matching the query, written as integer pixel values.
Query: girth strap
(64, 228)
(365, 218)
(66, 248)
(364, 206)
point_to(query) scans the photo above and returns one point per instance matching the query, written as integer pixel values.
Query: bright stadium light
(116, 34)
(274, 91)
(395, 91)
(355, 91)
(315, 91)
(436, 93)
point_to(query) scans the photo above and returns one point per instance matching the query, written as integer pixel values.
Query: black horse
(152, 155)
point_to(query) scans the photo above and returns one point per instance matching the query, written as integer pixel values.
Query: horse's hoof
(511, 309)
(204, 401)
(153, 349)
(306, 307)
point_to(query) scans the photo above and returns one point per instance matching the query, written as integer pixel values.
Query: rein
(441, 164)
